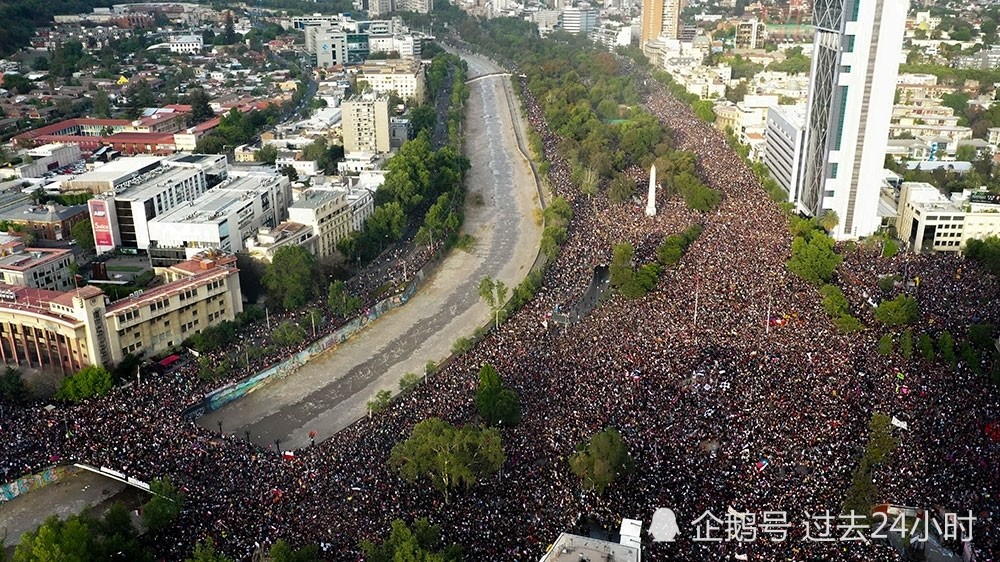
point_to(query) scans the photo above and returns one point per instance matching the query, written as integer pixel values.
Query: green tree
(101, 108)
(83, 234)
(885, 345)
(599, 462)
(288, 333)
(71, 540)
(900, 311)
(12, 387)
(92, 380)
(926, 347)
(834, 301)
(17, 83)
(408, 382)
(906, 344)
(448, 456)
(204, 551)
(981, 336)
(423, 118)
(380, 401)
(496, 404)
(267, 154)
(494, 292)
(164, 507)
(813, 258)
(201, 109)
(281, 551)
(621, 189)
(829, 220)
(291, 277)
(986, 252)
(340, 301)
(422, 543)
(621, 264)
(946, 346)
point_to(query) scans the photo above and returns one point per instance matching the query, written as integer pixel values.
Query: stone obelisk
(651, 198)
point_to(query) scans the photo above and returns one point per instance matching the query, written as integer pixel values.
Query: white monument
(651, 198)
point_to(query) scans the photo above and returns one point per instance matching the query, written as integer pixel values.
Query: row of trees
(634, 282)
(111, 537)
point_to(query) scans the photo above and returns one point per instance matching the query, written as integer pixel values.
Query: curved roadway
(331, 391)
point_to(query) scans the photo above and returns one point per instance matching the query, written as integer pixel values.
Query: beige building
(332, 214)
(403, 76)
(927, 220)
(365, 121)
(39, 268)
(65, 331)
(53, 330)
(660, 18)
(196, 294)
(269, 240)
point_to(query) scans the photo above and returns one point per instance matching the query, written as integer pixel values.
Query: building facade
(39, 268)
(53, 330)
(365, 121)
(196, 294)
(119, 218)
(660, 18)
(223, 218)
(332, 214)
(579, 19)
(47, 158)
(929, 221)
(47, 222)
(855, 53)
(403, 76)
(785, 145)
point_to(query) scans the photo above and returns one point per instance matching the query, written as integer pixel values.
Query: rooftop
(119, 168)
(212, 206)
(314, 198)
(32, 258)
(52, 212)
(574, 548)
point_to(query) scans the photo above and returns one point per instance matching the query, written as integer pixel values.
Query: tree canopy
(448, 456)
(813, 257)
(495, 403)
(164, 506)
(92, 380)
(291, 277)
(900, 311)
(421, 543)
(81, 538)
(986, 252)
(600, 461)
(83, 235)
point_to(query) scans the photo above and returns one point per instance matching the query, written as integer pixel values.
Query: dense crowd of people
(728, 382)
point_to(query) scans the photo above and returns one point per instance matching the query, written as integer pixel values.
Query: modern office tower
(854, 66)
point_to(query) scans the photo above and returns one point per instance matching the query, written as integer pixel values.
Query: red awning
(169, 360)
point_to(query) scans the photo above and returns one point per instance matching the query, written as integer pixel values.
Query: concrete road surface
(332, 390)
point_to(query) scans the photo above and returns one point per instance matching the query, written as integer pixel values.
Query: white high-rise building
(579, 19)
(854, 66)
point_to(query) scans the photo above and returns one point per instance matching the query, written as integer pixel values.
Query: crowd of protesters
(728, 382)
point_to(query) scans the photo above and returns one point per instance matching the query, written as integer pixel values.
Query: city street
(331, 391)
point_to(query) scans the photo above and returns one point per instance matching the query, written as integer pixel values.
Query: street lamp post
(277, 445)
(247, 433)
(220, 427)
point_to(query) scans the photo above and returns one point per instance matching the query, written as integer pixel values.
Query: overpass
(490, 75)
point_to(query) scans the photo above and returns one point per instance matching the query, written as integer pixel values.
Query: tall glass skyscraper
(855, 60)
